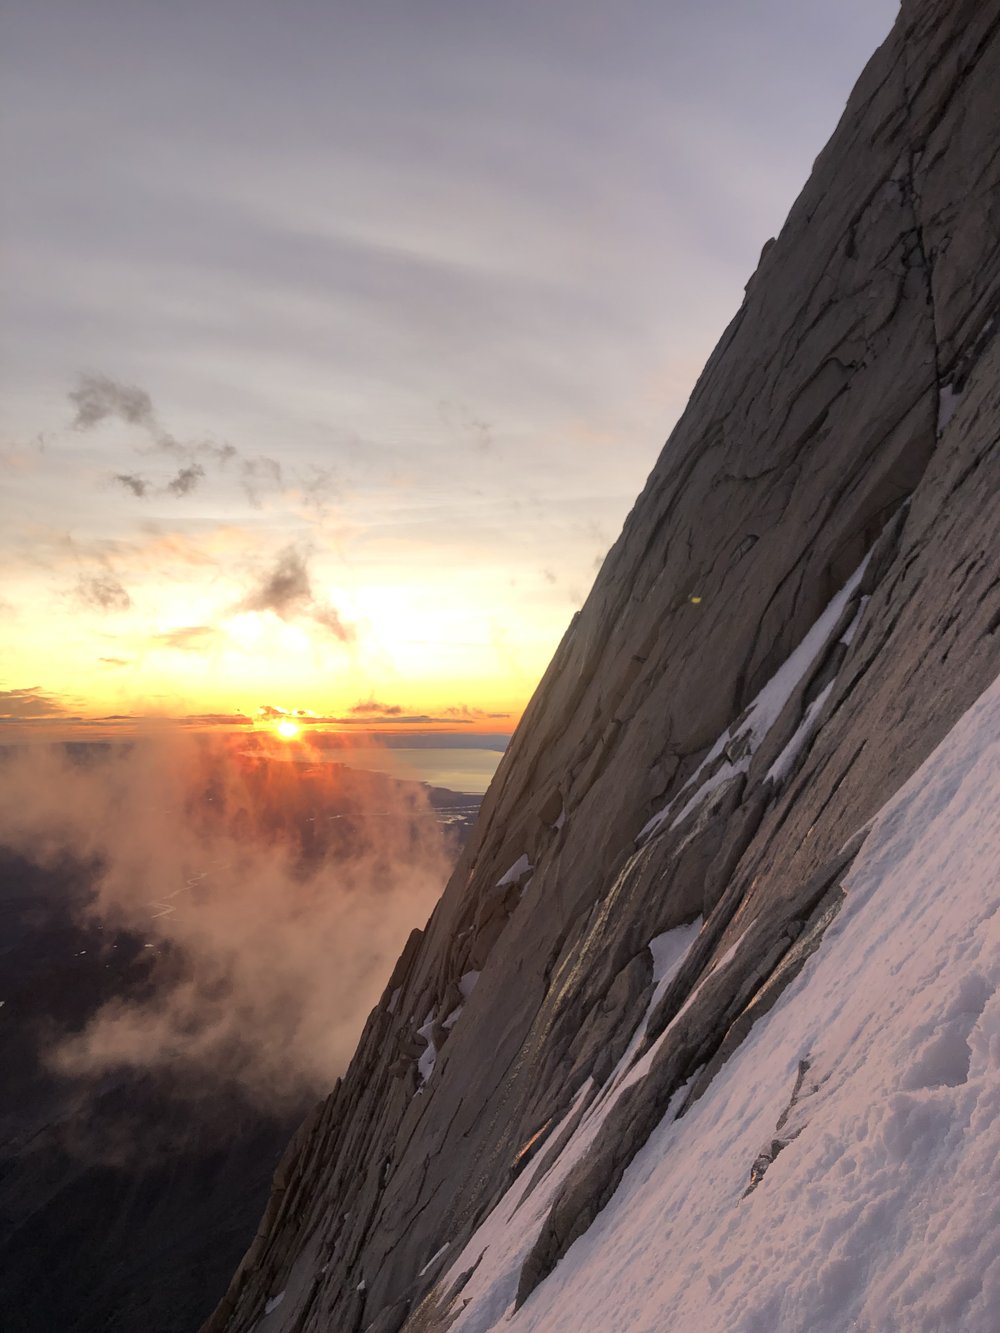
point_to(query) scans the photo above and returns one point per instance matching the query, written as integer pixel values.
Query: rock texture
(804, 599)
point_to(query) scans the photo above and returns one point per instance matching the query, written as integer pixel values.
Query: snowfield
(880, 1211)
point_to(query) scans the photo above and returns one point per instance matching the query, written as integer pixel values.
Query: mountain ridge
(848, 415)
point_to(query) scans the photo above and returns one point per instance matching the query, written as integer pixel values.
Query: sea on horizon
(469, 770)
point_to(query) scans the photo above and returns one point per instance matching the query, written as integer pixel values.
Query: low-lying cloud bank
(277, 893)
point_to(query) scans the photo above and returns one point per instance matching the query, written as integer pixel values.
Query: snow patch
(521, 867)
(730, 953)
(500, 1244)
(467, 983)
(273, 1303)
(948, 398)
(425, 1065)
(847, 638)
(669, 951)
(433, 1259)
(761, 715)
(785, 761)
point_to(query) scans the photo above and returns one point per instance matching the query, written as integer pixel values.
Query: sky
(337, 340)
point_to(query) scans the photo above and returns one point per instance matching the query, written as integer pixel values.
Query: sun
(287, 729)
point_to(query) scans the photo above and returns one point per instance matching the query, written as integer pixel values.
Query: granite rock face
(803, 601)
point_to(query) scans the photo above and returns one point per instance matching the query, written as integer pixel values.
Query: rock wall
(804, 599)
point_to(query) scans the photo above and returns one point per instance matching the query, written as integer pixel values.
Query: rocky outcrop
(804, 599)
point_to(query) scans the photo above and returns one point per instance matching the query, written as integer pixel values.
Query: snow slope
(875, 1085)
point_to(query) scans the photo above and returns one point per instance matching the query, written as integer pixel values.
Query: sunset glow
(287, 729)
(342, 392)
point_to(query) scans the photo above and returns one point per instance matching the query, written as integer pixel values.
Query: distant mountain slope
(804, 602)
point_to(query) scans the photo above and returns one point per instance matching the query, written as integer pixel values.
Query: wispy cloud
(370, 706)
(286, 591)
(216, 720)
(139, 486)
(186, 480)
(189, 638)
(258, 476)
(26, 704)
(463, 713)
(371, 713)
(271, 713)
(317, 486)
(103, 592)
(99, 398)
(471, 430)
(402, 719)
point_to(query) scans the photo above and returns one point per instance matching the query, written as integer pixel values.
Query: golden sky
(338, 340)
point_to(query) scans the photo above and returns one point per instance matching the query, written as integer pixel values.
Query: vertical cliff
(802, 604)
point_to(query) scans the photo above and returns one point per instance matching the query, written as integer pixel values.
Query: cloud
(318, 486)
(463, 713)
(99, 398)
(217, 453)
(217, 720)
(186, 480)
(27, 704)
(116, 661)
(103, 592)
(183, 483)
(330, 619)
(276, 897)
(139, 486)
(269, 713)
(259, 475)
(370, 712)
(286, 591)
(189, 638)
(469, 428)
(402, 719)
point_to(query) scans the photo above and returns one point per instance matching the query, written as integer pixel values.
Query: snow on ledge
(467, 983)
(522, 866)
(761, 715)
